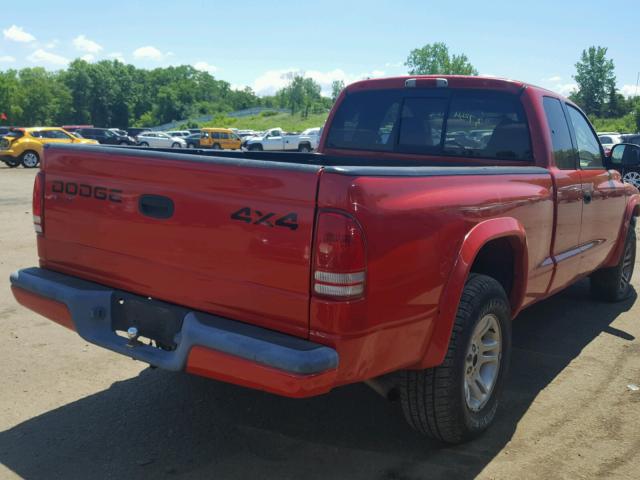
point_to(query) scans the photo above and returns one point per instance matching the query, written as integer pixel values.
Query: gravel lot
(72, 410)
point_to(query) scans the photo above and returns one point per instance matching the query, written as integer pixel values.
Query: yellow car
(219, 139)
(25, 145)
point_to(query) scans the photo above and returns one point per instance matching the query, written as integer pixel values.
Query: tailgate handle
(155, 206)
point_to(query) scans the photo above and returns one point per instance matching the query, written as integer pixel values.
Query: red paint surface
(220, 366)
(56, 311)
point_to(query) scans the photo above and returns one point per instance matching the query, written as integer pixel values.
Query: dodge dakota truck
(436, 209)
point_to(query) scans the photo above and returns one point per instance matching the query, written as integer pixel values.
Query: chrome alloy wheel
(482, 362)
(30, 160)
(633, 178)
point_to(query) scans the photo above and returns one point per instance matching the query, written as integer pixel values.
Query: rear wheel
(144, 144)
(30, 159)
(458, 400)
(613, 284)
(305, 148)
(12, 163)
(175, 145)
(216, 146)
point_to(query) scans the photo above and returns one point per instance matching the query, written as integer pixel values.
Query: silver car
(160, 140)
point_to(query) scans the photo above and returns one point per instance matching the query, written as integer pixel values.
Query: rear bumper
(206, 345)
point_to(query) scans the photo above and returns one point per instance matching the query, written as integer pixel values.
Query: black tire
(144, 144)
(175, 145)
(433, 400)
(13, 163)
(255, 147)
(123, 143)
(216, 146)
(27, 159)
(304, 148)
(613, 284)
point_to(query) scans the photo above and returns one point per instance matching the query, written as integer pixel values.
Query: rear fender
(632, 211)
(478, 236)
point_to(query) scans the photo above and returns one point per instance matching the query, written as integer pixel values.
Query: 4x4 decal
(270, 219)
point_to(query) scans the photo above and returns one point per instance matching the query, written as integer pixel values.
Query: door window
(216, 135)
(55, 135)
(589, 151)
(224, 136)
(563, 151)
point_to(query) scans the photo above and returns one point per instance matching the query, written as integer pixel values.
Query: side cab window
(590, 152)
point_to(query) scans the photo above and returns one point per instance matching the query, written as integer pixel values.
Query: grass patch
(286, 121)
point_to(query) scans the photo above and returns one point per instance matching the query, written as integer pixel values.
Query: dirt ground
(72, 410)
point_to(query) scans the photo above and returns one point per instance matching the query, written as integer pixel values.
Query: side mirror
(625, 156)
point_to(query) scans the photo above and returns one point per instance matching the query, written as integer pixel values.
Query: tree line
(110, 93)
(596, 92)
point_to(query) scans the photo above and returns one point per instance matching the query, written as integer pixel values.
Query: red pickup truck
(435, 210)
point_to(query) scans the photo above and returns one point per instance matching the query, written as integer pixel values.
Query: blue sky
(255, 43)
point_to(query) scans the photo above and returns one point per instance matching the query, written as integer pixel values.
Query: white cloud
(394, 64)
(83, 44)
(205, 67)
(555, 84)
(271, 81)
(41, 56)
(148, 53)
(630, 90)
(52, 44)
(17, 34)
(88, 57)
(116, 56)
(7, 59)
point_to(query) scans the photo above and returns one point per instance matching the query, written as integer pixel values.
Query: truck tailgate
(227, 236)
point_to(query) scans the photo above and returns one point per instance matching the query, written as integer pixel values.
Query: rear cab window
(461, 123)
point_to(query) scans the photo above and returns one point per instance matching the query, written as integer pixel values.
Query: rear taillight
(340, 259)
(38, 203)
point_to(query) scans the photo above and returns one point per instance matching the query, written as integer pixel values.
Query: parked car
(631, 138)
(160, 140)
(25, 145)
(178, 133)
(399, 260)
(275, 139)
(106, 136)
(625, 157)
(135, 131)
(194, 130)
(219, 139)
(118, 131)
(312, 135)
(608, 140)
(193, 140)
(73, 128)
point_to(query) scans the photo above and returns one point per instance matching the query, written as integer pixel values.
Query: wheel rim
(627, 267)
(633, 178)
(30, 159)
(482, 362)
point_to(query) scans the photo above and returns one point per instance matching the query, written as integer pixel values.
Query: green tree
(596, 80)
(336, 87)
(434, 58)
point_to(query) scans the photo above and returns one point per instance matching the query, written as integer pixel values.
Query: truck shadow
(165, 424)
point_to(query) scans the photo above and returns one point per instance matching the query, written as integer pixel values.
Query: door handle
(586, 197)
(155, 206)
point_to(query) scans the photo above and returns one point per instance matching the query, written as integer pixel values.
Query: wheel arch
(487, 236)
(632, 211)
